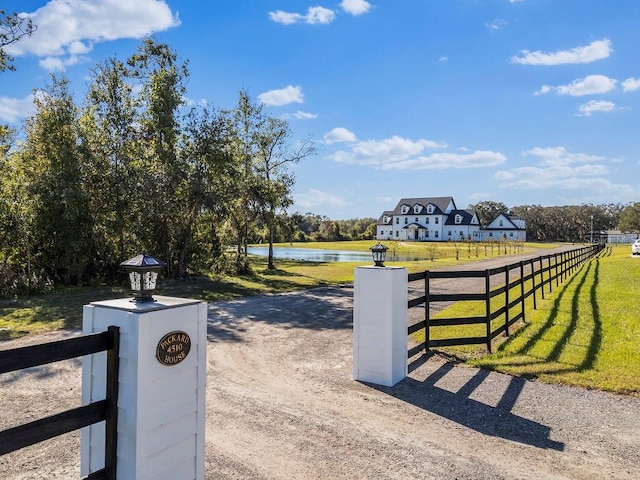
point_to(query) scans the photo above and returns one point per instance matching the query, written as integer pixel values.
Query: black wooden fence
(517, 282)
(104, 410)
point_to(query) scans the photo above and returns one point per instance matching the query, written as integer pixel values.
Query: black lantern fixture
(143, 273)
(379, 253)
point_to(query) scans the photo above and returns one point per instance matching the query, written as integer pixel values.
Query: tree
(12, 28)
(274, 153)
(162, 183)
(51, 155)
(630, 219)
(112, 147)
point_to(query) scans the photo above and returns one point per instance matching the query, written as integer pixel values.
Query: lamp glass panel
(134, 278)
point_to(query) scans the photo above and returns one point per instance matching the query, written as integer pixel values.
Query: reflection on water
(319, 255)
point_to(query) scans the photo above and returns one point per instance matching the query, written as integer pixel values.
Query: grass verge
(585, 333)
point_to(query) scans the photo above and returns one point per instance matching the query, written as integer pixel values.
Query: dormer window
(458, 218)
(385, 219)
(429, 208)
(405, 209)
(416, 208)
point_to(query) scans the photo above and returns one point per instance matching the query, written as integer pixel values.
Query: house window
(491, 234)
(427, 220)
(416, 219)
(416, 208)
(437, 220)
(436, 234)
(461, 233)
(406, 220)
(427, 234)
(397, 221)
(396, 233)
(501, 223)
(405, 209)
(430, 209)
(511, 234)
(458, 218)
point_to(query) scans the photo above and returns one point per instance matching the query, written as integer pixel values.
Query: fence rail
(104, 410)
(525, 277)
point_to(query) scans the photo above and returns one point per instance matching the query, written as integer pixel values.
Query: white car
(635, 247)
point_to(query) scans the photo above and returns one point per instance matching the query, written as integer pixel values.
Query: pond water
(321, 255)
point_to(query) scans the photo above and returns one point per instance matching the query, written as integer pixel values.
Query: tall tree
(274, 154)
(162, 80)
(112, 147)
(12, 28)
(62, 225)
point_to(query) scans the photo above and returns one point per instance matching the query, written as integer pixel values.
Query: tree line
(135, 169)
(571, 223)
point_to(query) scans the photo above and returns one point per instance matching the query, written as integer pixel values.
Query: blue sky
(514, 101)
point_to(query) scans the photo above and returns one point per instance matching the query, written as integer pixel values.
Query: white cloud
(70, 28)
(631, 84)
(339, 135)
(314, 15)
(314, 198)
(559, 170)
(557, 156)
(544, 89)
(355, 7)
(384, 152)
(300, 115)
(496, 24)
(477, 159)
(14, 109)
(590, 85)
(443, 59)
(282, 96)
(596, 50)
(592, 106)
(516, 1)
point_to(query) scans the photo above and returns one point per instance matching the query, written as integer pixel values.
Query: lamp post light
(143, 272)
(379, 252)
(592, 229)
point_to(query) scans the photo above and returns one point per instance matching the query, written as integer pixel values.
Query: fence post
(506, 302)
(111, 423)
(487, 292)
(541, 278)
(524, 318)
(533, 284)
(427, 313)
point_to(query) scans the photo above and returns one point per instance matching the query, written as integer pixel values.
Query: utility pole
(591, 228)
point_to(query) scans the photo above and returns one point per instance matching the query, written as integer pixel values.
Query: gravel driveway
(281, 404)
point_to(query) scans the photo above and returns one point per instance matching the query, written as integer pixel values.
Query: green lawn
(586, 333)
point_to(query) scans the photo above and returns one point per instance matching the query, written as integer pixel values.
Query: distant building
(437, 219)
(616, 236)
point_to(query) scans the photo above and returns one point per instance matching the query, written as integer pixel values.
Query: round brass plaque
(173, 348)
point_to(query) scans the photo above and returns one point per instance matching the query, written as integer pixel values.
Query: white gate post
(380, 325)
(161, 401)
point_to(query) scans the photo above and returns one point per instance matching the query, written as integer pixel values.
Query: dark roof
(388, 213)
(440, 203)
(467, 216)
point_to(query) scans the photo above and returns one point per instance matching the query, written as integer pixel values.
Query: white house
(506, 227)
(438, 219)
